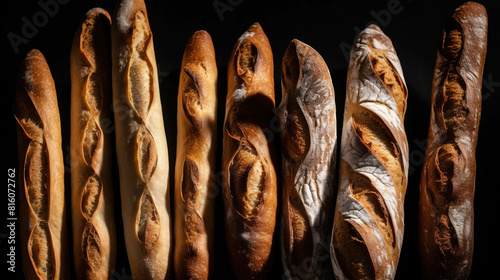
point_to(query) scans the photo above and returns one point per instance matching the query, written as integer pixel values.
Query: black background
(329, 27)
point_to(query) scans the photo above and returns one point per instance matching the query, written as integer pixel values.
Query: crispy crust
(369, 217)
(309, 138)
(446, 215)
(42, 205)
(195, 160)
(140, 143)
(248, 159)
(94, 237)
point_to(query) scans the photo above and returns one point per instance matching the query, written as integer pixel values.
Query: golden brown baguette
(141, 143)
(308, 144)
(369, 217)
(94, 238)
(195, 160)
(446, 214)
(248, 157)
(43, 230)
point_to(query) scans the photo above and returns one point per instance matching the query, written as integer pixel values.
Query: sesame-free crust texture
(43, 233)
(141, 144)
(446, 213)
(248, 157)
(369, 217)
(195, 186)
(308, 129)
(92, 199)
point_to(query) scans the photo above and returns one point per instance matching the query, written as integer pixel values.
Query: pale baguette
(141, 143)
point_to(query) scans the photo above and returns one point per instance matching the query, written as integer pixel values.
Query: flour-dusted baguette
(94, 238)
(41, 172)
(308, 144)
(369, 217)
(248, 157)
(141, 143)
(195, 160)
(446, 215)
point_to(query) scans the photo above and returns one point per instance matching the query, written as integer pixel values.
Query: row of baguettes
(353, 232)
(111, 65)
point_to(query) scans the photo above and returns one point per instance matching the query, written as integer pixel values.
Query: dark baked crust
(446, 215)
(248, 159)
(195, 162)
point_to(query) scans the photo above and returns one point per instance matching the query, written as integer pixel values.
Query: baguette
(446, 214)
(41, 172)
(369, 217)
(308, 144)
(141, 143)
(248, 157)
(195, 160)
(94, 237)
